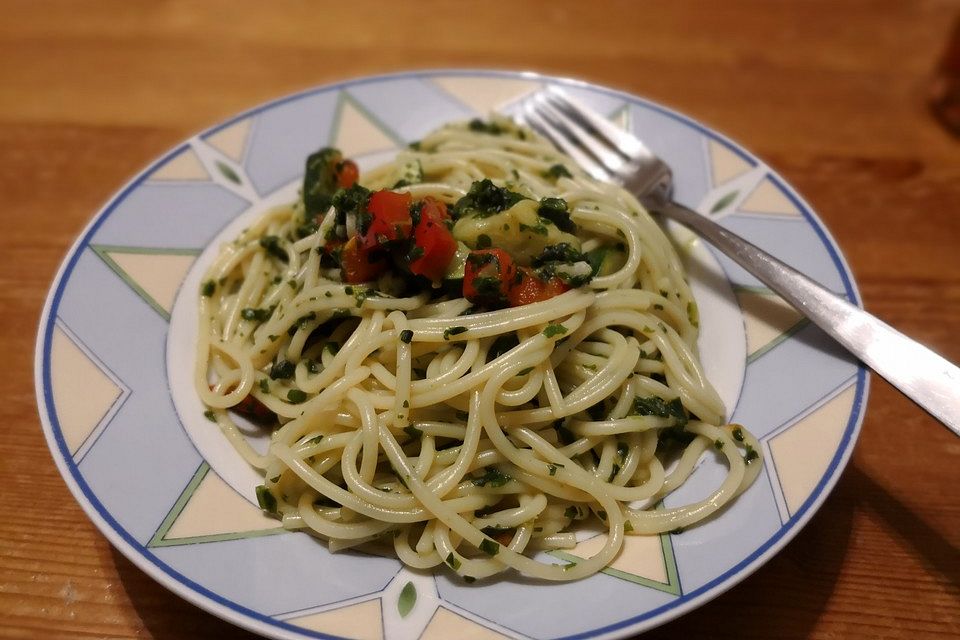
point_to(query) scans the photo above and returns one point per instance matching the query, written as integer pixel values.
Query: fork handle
(923, 376)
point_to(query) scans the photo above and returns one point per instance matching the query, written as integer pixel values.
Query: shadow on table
(167, 616)
(938, 555)
(786, 597)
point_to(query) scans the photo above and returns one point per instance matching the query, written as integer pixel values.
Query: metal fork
(609, 153)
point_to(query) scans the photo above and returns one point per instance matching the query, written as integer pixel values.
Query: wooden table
(830, 94)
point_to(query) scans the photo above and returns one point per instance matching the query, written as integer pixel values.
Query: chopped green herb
(340, 313)
(264, 385)
(552, 468)
(693, 314)
(350, 202)
(489, 547)
(296, 396)
(627, 527)
(525, 371)
(491, 128)
(469, 579)
(677, 531)
(301, 323)
(562, 252)
(484, 241)
(494, 530)
(314, 440)
(555, 210)
(208, 288)
(656, 406)
(306, 229)
(453, 561)
(554, 330)
(258, 315)
(595, 258)
(210, 415)
(272, 245)
(539, 229)
(485, 199)
(266, 499)
(280, 371)
(320, 180)
(718, 443)
(492, 477)
(750, 455)
(738, 434)
(406, 336)
(453, 331)
(487, 286)
(557, 171)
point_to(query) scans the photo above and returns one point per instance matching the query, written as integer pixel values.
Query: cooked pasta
(467, 355)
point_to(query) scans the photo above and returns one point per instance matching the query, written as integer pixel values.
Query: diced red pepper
(433, 242)
(390, 218)
(347, 173)
(255, 410)
(488, 276)
(252, 409)
(528, 287)
(434, 208)
(359, 264)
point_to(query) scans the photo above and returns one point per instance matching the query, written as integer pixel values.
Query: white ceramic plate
(171, 494)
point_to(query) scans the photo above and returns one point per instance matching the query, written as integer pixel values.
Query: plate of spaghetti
(374, 361)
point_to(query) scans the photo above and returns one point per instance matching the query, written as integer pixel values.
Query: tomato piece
(347, 173)
(359, 264)
(390, 218)
(488, 276)
(528, 287)
(254, 410)
(434, 208)
(433, 242)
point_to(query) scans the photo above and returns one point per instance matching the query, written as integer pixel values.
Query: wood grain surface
(831, 94)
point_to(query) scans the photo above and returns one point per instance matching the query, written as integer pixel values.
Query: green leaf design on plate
(228, 172)
(724, 202)
(408, 598)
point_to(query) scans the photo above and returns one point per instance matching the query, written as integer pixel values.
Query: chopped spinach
(320, 180)
(555, 210)
(485, 199)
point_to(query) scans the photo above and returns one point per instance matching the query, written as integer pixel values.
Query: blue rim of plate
(242, 616)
